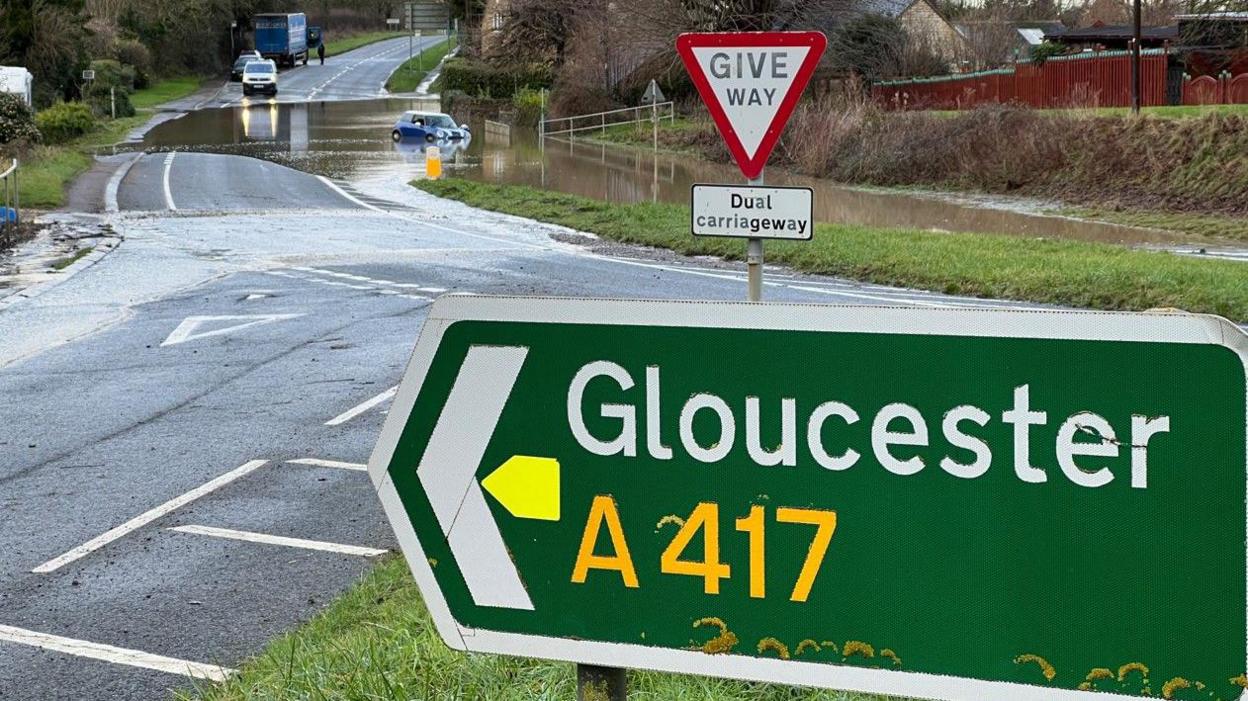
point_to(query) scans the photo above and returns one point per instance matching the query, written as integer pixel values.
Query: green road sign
(941, 503)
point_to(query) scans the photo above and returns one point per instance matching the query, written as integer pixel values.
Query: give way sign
(750, 82)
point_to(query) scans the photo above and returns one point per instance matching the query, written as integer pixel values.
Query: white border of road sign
(982, 323)
(807, 214)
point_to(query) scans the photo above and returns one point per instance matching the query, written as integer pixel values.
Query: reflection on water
(352, 140)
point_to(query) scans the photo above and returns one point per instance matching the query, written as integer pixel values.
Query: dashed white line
(312, 276)
(362, 407)
(169, 193)
(147, 517)
(336, 464)
(267, 539)
(115, 655)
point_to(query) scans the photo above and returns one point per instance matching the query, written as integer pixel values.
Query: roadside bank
(1069, 273)
(412, 73)
(1182, 174)
(48, 169)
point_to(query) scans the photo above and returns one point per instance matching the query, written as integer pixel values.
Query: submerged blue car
(428, 127)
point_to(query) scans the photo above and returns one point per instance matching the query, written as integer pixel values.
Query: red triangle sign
(750, 82)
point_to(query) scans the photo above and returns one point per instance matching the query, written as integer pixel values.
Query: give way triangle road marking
(193, 327)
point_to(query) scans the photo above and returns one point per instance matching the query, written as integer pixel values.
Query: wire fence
(599, 121)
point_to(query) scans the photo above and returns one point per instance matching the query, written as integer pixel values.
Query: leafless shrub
(994, 148)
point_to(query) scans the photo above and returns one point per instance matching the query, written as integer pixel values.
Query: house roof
(1032, 36)
(1113, 32)
(1051, 26)
(888, 8)
(1217, 16)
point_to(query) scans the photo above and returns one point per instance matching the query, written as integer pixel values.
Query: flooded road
(351, 141)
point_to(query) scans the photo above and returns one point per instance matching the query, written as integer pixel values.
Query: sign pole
(754, 256)
(594, 683)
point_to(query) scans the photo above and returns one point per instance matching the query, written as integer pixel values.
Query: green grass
(164, 91)
(333, 47)
(44, 173)
(642, 135)
(413, 71)
(377, 642)
(47, 170)
(1207, 226)
(1074, 273)
(63, 263)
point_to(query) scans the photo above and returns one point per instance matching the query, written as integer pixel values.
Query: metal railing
(12, 203)
(641, 114)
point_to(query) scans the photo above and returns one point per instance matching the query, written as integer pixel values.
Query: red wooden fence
(1223, 89)
(1100, 79)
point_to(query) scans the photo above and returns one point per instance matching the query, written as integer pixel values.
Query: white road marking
(114, 185)
(148, 516)
(362, 407)
(887, 295)
(186, 330)
(337, 464)
(169, 193)
(115, 655)
(250, 537)
(874, 298)
(335, 283)
(333, 186)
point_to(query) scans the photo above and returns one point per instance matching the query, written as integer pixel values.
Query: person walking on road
(320, 52)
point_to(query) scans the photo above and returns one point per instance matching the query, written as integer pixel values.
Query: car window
(258, 68)
(441, 120)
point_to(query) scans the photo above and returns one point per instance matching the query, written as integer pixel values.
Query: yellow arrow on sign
(526, 486)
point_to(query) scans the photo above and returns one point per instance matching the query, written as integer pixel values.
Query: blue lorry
(282, 37)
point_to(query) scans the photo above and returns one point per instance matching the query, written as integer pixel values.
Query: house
(922, 21)
(493, 19)
(1032, 35)
(1213, 42)
(1114, 37)
(994, 43)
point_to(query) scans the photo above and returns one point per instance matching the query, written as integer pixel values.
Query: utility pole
(1135, 59)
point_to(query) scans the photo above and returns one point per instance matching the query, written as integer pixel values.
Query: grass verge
(413, 71)
(47, 170)
(671, 135)
(342, 45)
(1074, 273)
(164, 91)
(63, 263)
(377, 642)
(1204, 225)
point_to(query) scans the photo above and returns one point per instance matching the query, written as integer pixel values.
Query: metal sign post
(754, 258)
(952, 503)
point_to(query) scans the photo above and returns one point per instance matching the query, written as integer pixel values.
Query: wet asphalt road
(356, 75)
(246, 322)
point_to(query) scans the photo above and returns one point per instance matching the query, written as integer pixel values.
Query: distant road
(354, 75)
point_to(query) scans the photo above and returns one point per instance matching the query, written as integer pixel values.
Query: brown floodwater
(351, 140)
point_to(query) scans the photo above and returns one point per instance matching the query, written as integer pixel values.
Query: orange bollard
(433, 163)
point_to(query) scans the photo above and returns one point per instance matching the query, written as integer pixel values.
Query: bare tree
(989, 39)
